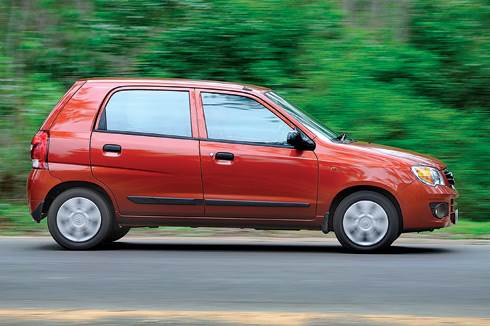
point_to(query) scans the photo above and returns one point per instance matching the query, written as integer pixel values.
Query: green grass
(15, 220)
(469, 228)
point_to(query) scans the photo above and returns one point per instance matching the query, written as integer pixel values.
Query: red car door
(248, 169)
(144, 151)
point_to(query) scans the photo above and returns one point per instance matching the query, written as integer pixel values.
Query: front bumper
(415, 204)
(455, 216)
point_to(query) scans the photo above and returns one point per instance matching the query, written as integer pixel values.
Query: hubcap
(365, 223)
(78, 219)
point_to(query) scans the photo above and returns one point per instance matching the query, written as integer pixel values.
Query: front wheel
(366, 221)
(80, 219)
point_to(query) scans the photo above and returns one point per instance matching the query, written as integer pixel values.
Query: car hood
(409, 157)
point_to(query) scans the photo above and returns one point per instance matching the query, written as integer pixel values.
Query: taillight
(39, 150)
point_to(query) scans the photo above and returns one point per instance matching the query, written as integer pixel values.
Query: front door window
(238, 118)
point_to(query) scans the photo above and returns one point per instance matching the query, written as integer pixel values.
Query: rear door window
(157, 112)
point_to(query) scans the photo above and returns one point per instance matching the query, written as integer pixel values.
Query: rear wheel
(79, 219)
(366, 221)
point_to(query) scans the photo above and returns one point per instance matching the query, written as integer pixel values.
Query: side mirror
(300, 142)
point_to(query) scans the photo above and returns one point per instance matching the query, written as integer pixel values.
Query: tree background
(412, 74)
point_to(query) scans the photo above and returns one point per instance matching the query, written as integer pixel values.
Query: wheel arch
(61, 187)
(348, 191)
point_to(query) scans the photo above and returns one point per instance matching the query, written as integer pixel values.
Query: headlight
(428, 175)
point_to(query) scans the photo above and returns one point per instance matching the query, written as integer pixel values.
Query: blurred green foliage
(412, 74)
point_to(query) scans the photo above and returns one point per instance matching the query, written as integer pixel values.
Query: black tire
(391, 234)
(117, 233)
(106, 214)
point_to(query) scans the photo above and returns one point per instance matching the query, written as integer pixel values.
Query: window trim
(194, 138)
(101, 115)
(242, 142)
(200, 106)
(144, 134)
(197, 114)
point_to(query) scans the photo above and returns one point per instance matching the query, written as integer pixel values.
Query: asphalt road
(416, 278)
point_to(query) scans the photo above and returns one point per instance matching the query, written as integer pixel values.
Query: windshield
(315, 127)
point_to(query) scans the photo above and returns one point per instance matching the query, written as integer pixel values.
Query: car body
(207, 163)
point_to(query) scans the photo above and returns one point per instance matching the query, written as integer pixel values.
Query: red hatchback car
(121, 153)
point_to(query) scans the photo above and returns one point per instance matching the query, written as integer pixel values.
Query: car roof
(179, 82)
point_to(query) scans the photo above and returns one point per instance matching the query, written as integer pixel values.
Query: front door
(248, 169)
(143, 150)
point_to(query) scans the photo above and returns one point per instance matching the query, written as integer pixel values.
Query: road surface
(237, 280)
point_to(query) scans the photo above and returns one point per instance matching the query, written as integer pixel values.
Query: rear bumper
(37, 214)
(39, 183)
(416, 202)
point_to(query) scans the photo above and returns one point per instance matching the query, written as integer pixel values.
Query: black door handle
(224, 156)
(112, 148)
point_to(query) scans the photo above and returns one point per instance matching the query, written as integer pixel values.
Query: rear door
(143, 149)
(248, 169)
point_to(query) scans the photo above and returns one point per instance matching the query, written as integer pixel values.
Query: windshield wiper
(342, 137)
